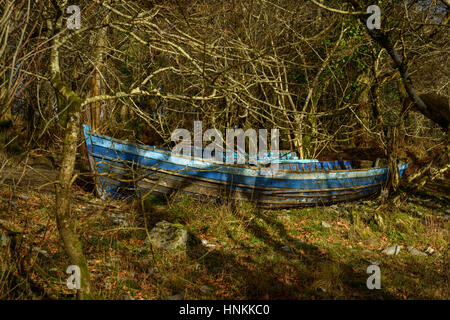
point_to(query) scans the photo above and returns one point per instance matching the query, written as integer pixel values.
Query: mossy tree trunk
(70, 102)
(65, 223)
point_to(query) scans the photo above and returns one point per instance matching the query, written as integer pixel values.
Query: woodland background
(137, 70)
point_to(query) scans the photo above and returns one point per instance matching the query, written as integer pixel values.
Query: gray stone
(286, 248)
(326, 225)
(167, 236)
(394, 250)
(40, 251)
(179, 296)
(128, 297)
(415, 252)
(118, 219)
(208, 245)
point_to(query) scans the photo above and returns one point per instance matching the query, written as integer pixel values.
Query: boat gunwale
(220, 164)
(223, 164)
(380, 171)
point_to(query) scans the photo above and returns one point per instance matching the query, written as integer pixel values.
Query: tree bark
(70, 101)
(65, 223)
(96, 80)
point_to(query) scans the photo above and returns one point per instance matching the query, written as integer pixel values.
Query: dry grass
(255, 254)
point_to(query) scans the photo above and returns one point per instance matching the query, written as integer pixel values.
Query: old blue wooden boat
(124, 169)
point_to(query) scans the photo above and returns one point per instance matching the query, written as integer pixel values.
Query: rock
(415, 252)
(208, 245)
(429, 250)
(128, 297)
(326, 225)
(179, 296)
(167, 236)
(394, 250)
(206, 289)
(40, 251)
(119, 219)
(286, 248)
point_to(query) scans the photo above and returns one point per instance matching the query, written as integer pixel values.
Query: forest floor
(235, 251)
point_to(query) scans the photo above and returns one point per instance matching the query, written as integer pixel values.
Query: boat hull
(123, 169)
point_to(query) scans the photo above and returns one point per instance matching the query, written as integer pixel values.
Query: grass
(257, 254)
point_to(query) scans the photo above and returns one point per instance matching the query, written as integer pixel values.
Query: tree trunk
(394, 176)
(69, 99)
(65, 223)
(96, 80)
